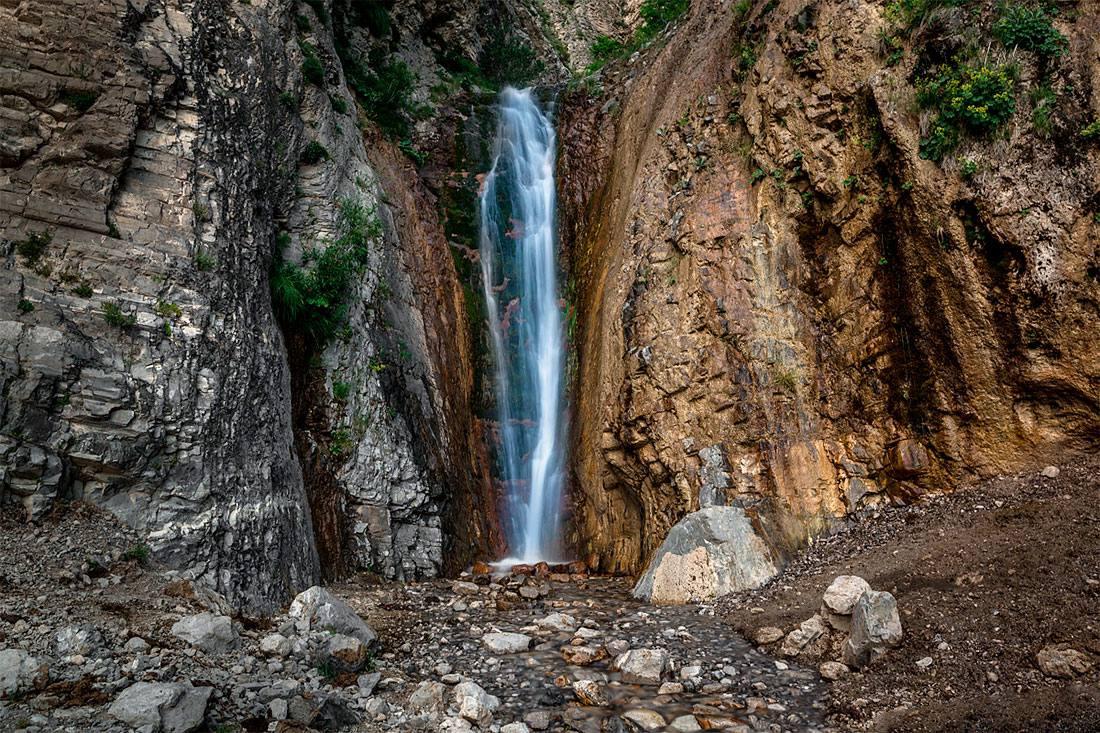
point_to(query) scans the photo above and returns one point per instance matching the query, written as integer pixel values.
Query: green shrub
(338, 104)
(341, 390)
(34, 246)
(1030, 28)
(656, 14)
(25, 306)
(314, 152)
(313, 70)
(410, 150)
(604, 49)
(288, 100)
(975, 99)
(139, 553)
(372, 15)
(910, 13)
(205, 261)
(313, 300)
(302, 22)
(386, 92)
(1042, 101)
(1091, 131)
(81, 101)
(968, 168)
(507, 60)
(164, 309)
(84, 290)
(114, 315)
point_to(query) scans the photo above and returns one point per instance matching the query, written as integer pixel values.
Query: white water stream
(519, 258)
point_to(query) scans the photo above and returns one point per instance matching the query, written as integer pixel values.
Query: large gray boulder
(209, 632)
(161, 707)
(707, 554)
(876, 627)
(83, 639)
(318, 610)
(642, 666)
(475, 704)
(20, 672)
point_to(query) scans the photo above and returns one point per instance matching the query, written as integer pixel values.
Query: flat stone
(767, 635)
(557, 622)
(643, 666)
(167, 707)
(582, 656)
(807, 632)
(833, 670)
(590, 692)
(1061, 660)
(212, 633)
(685, 724)
(645, 719)
(503, 642)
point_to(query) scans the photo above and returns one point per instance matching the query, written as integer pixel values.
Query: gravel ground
(985, 578)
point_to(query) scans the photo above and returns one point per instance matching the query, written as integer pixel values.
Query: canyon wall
(781, 305)
(160, 159)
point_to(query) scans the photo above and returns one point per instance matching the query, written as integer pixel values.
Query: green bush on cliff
(975, 99)
(506, 59)
(385, 90)
(656, 14)
(1030, 29)
(313, 298)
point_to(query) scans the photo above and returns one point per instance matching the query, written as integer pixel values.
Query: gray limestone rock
(211, 633)
(707, 554)
(20, 672)
(876, 627)
(318, 610)
(162, 707)
(643, 666)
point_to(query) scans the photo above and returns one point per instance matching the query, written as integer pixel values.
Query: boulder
(316, 609)
(213, 634)
(875, 627)
(707, 554)
(1061, 660)
(428, 699)
(643, 666)
(20, 672)
(475, 704)
(161, 707)
(807, 632)
(503, 642)
(843, 593)
(346, 653)
(276, 645)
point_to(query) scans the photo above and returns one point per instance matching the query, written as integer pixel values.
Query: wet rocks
(506, 642)
(707, 554)
(1062, 660)
(206, 631)
(582, 655)
(20, 672)
(645, 719)
(875, 627)
(643, 666)
(557, 622)
(162, 707)
(590, 692)
(316, 608)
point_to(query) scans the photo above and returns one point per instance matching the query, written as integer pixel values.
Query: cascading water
(519, 271)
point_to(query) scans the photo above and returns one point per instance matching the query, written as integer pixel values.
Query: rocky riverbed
(94, 638)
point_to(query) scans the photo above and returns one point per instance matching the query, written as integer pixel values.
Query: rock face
(777, 313)
(876, 626)
(709, 553)
(155, 169)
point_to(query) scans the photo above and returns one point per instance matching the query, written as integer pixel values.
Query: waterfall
(518, 248)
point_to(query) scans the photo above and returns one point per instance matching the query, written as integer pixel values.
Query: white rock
(317, 609)
(833, 670)
(503, 642)
(213, 634)
(643, 666)
(276, 645)
(557, 622)
(474, 703)
(685, 724)
(924, 662)
(691, 672)
(278, 709)
(1051, 472)
(670, 688)
(81, 639)
(515, 728)
(428, 699)
(455, 725)
(843, 593)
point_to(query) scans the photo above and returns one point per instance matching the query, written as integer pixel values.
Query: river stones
(643, 666)
(503, 642)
